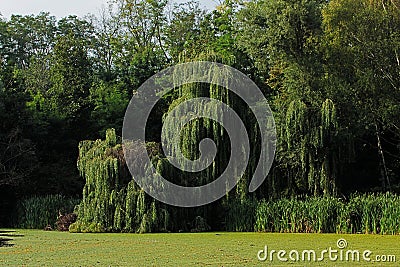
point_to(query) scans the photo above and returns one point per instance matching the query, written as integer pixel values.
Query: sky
(62, 8)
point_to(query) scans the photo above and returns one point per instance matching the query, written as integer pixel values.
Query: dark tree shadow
(4, 242)
(6, 238)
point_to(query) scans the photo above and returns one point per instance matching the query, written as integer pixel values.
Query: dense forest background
(330, 70)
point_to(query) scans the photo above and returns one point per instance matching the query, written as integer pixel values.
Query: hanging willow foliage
(198, 129)
(113, 202)
(309, 143)
(111, 199)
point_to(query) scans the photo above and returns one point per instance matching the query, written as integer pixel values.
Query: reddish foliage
(64, 221)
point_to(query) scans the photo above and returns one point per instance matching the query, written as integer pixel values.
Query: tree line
(330, 70)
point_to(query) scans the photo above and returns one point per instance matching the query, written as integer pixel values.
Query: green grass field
(40, 248)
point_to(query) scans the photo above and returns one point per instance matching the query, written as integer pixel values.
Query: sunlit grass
(40, 248)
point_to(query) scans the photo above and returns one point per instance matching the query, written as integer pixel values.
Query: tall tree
(183, 31)
(362, 50)
(140, 49)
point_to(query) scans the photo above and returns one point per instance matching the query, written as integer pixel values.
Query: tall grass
(371, 214)
(41, 211)
(312, 215)
(240, 215)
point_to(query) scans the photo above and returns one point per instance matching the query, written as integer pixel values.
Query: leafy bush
(64, 221)
(81, 227)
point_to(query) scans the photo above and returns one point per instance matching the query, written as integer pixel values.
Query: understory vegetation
(112, 202)
(368, 214)
(42, 211)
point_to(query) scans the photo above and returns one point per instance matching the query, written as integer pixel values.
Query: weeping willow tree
(312, 145)
(313, 142)
(309, 140)
(111, 199)
(198, 129)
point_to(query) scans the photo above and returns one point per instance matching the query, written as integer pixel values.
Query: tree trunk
(384, 171)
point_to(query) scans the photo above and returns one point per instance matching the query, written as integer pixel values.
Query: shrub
(81, 227)
(64, 221)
